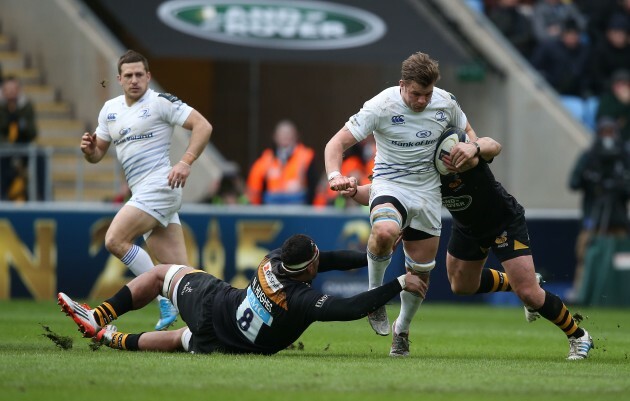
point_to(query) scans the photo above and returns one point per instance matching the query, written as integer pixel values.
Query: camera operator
(602, 173)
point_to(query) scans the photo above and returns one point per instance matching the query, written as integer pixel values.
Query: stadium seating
(72, 178)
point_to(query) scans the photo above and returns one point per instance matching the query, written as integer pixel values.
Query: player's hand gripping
(340, 183)
(462, 153)
(88, 144)
(415, 285)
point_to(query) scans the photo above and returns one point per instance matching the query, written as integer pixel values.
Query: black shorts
(195, 297)
(511, 242)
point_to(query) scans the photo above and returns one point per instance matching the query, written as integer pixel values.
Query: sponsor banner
(46, 248)
(339, 30)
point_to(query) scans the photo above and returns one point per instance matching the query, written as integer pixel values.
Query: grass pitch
(459, 352)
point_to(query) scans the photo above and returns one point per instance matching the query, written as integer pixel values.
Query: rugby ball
(449, 138)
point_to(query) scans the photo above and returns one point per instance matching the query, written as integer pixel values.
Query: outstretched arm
(358, 306)
(341, 260)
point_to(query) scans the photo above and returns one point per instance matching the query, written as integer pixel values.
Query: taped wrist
(401, 280)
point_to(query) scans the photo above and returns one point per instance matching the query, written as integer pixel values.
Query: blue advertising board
(50, 247)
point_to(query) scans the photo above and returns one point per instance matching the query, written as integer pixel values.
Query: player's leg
(387, 216)
(129, 224)
(523, 280)
(168, 277)
(167, 246)
(135, 295)
(420, 259)
(386, 223)
(550, 306)
(465, 259)
(463, 275)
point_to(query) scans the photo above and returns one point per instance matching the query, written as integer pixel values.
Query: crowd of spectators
(580, 47)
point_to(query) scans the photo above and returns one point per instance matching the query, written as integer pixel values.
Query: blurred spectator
(17, 126)
(602, 174)
(615, 103)
(598, 14)
(514, 24)
(550, 16)
(369, 154)
(623, 8)
(284, 173)
(564, 62)
(229, 190)
(611, 53)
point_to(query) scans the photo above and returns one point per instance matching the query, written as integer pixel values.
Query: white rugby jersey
(142, 133)
(405, 139)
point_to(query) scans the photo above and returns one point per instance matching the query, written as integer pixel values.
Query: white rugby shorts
(157, 199)
(424, 207)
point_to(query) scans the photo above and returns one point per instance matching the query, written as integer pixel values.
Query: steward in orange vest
(285, 174)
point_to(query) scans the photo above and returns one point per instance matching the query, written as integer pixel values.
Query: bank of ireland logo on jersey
(423, 134)
(124, 131)
(397, 120)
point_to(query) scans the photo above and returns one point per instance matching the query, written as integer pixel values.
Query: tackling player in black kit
(266, 317)
(486, 216)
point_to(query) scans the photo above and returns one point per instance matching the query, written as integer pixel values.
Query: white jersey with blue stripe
(406, 140)
(142, 133)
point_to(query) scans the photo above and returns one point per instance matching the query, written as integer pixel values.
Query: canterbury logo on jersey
(397, 120)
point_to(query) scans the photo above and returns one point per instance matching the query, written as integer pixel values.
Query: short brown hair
(421, 69)
(132, 56)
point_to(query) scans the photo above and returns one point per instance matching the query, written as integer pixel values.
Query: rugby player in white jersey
(406, 122)
(140, 124)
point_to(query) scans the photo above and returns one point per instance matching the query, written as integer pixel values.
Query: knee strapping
(385, 214)
(377, 258)
(418, 267)
(168, 279)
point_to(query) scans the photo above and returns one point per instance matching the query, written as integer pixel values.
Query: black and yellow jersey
(274, 310)
(479, 204)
